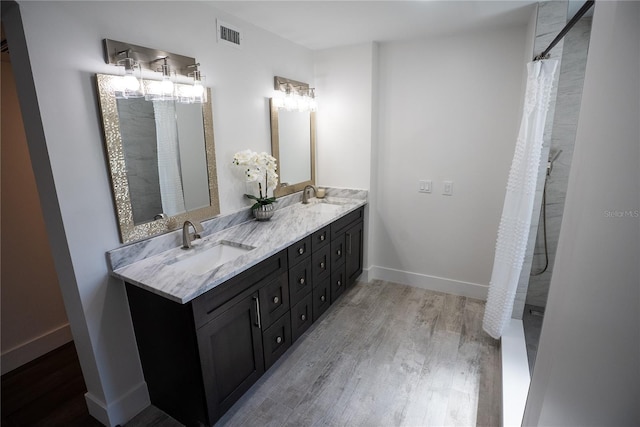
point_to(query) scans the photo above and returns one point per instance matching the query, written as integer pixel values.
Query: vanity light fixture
(291, 95)
(136, 58)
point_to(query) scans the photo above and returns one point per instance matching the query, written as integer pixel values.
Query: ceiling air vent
(229, 34)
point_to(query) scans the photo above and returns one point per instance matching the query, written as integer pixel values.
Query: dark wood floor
(48, 391)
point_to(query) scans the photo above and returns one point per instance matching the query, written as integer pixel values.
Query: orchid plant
(258, 167)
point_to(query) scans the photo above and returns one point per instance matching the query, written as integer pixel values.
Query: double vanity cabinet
(200, 357)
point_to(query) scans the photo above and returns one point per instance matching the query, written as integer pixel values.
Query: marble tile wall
(565, 124)
(552, 17)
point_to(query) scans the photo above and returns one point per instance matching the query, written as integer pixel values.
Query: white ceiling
(326, 24)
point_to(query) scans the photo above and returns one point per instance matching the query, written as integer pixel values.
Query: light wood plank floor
(383, 355)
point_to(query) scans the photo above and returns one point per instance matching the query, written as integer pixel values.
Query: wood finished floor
(383, 355)
(48, 391)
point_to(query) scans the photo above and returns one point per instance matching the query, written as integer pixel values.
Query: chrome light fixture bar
(293, 95)
(135, 58)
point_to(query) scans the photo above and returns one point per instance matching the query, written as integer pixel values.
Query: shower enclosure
(565, 121)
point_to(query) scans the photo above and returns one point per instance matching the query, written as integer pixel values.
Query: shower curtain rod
(585, 7)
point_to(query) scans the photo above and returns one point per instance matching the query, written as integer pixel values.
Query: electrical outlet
(447, 188)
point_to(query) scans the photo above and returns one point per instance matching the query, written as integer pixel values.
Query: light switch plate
(424, 186)
(447, 188)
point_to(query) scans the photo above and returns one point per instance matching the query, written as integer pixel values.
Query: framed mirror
(293, 143)
(161, 157)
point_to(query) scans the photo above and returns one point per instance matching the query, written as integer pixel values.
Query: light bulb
(130, 83)
(198, 93)
(166, 87)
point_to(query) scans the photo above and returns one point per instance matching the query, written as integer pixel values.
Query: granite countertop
(288, 225)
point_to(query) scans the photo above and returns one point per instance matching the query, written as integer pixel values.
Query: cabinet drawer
(338, 283)
(237, 287)
(299, 251)
(301, 317)
(320, 238)
(321, 264)
(300, 281)
(276, 340)
(337, 253)
(274, 300)
(341, 225)
(321, 298)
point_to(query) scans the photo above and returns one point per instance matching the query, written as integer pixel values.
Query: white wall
(33, 317)
(587, 370)
(448, 110)
(65, 51)
(344, 82)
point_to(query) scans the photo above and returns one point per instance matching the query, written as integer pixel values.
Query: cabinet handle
(276, 300)
(339, 283)
(322, 265)
(349, 243)
(279, 340)
(257, 301)
(303, 317)
(339, 252)
(301, 280)
(322, 237)
(322, 298)
(301, 250)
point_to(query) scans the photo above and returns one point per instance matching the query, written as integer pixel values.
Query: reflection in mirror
(162, 161)
(293, 144)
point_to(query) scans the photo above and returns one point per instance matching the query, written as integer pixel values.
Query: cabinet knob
(322, 298)
(301, 250)
(276, 300)
(339, 252)
(303, 317)
(279, 340)
(322, 237)
(301, 280)
(322, 265)
(339, 283)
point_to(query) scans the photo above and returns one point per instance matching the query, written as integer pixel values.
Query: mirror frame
(130, 232)
(275, 151)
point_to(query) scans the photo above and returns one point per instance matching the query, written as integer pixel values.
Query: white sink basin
(204, 259)
(325, 207)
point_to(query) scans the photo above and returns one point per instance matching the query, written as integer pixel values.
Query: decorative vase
(263, 212)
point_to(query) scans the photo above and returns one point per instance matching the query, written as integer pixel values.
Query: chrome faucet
(187, 237)
(305, 193)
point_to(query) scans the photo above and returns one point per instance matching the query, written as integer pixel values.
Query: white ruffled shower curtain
(515, 222)
(169, 171)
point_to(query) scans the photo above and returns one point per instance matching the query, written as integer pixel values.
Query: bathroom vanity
(206, 338)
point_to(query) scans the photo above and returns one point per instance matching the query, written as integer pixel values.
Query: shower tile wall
(565, 123)
(552, 17)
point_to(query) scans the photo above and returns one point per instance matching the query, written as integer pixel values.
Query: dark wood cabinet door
(353, 248)
(337, 252)
(321, 264)
(321, 298)
(338, 283)
(300, 281)
(274, 300)
(231, 354)
(276, 339)
(301, 317)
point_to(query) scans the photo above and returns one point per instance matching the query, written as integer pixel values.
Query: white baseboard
(34, 348)
(433, 283)
(123, 409)
(515, 374)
